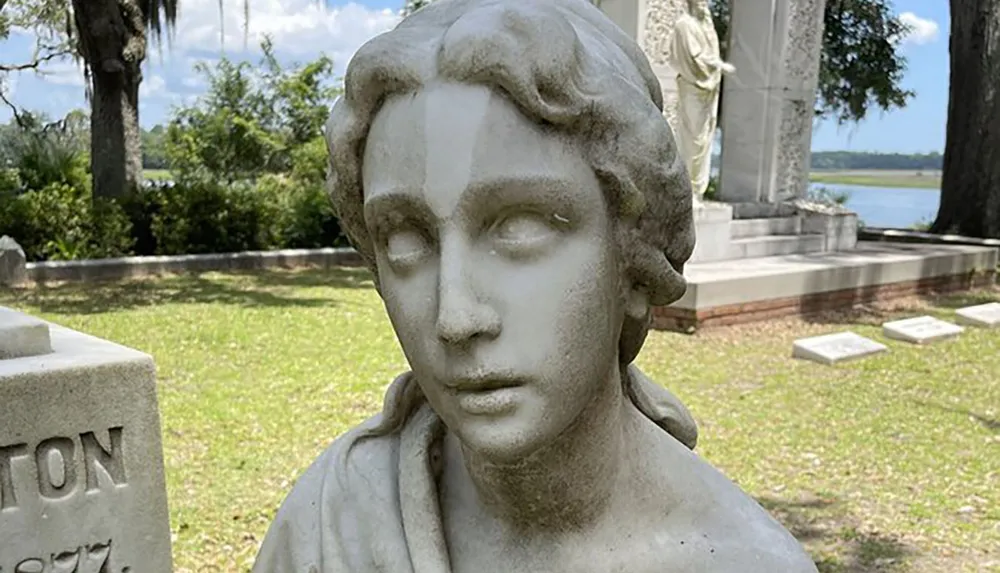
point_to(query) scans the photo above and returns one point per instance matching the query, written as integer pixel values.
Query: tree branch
(13, 108)
(35, 64)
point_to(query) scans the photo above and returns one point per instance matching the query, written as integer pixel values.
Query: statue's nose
(462, 314)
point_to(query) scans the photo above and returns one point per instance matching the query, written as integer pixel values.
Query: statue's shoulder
(743, 533)
(685, 22)
(730, 531)
(354, 467)
(353, 484)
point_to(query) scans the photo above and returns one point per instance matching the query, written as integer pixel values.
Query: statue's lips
(488, 398)
(483, 383)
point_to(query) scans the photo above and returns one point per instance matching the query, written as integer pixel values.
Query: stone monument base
(779, 229)
(761, 288)
(81, 464)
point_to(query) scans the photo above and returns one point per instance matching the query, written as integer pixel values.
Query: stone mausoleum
(764, 249)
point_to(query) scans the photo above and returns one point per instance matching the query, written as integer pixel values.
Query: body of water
(898, 207)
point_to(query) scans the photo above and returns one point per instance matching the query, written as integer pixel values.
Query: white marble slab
(833, 348)
(920, 330)
(983, 315)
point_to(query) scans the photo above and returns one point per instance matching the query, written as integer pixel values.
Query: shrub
(61, 222)
(46, 153)
(712, 192)
(822, 194)
(305, 217)
(10, 182)
(309, 161)
(207, 217)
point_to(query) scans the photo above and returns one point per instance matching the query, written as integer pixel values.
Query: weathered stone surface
(833, 348)
(13, 269)
(983, 315)
(921, 329)
(22, 335)
(81, 467)
(712, 231)
(768, 115)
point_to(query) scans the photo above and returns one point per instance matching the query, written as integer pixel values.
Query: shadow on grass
(875, 313)
(832, 539)
(272, 288)
(960, 300)
(991, 424)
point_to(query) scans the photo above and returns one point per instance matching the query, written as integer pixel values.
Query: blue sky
(302, 29)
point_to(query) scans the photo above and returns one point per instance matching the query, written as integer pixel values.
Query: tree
(111, 41)
(412, 6)
(860, 65)
(970, 185)
(254, 120)
(154, 155)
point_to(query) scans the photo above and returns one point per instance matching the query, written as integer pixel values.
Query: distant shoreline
(929, 180)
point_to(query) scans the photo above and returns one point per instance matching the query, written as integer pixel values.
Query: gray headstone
(921, 330)
(833, 348)
(983, 315)
(13, 264)
(81, 464)
(22, 335)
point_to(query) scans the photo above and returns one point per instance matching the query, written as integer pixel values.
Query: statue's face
(699, 8)
(497, 264)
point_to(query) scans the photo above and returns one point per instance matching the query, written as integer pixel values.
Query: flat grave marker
(921, 330)
(834, 348)
(983, 315)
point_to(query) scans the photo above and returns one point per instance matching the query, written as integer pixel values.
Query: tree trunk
(112, 43)
(970, 186)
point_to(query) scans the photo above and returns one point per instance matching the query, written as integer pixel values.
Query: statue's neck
(567, 484)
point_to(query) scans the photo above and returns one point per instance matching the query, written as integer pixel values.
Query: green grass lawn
(888, 464)
(156, 174)
(878, 178)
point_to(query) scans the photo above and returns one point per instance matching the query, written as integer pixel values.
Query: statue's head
(505, 170)
(699, 8)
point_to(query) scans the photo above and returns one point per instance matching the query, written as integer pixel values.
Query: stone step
(744, 228)
(774, 245)
(729, 292)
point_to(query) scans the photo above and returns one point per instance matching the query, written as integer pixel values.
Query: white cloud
(8, 84)
(298, 27)
(922, 30)
(63, 73)
(194, 82)
(153, 86)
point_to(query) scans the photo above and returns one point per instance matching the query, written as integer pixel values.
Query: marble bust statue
(504, 168)
(696, 57)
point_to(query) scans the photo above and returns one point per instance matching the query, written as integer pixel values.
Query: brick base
(687, 320)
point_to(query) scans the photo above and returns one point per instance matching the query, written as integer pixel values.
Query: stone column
(651, 24)
(81, 466)
(768, 105)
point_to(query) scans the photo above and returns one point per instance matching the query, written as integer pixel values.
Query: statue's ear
(636, 301)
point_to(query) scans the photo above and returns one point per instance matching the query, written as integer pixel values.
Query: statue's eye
(406, 247)
(523, 231)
